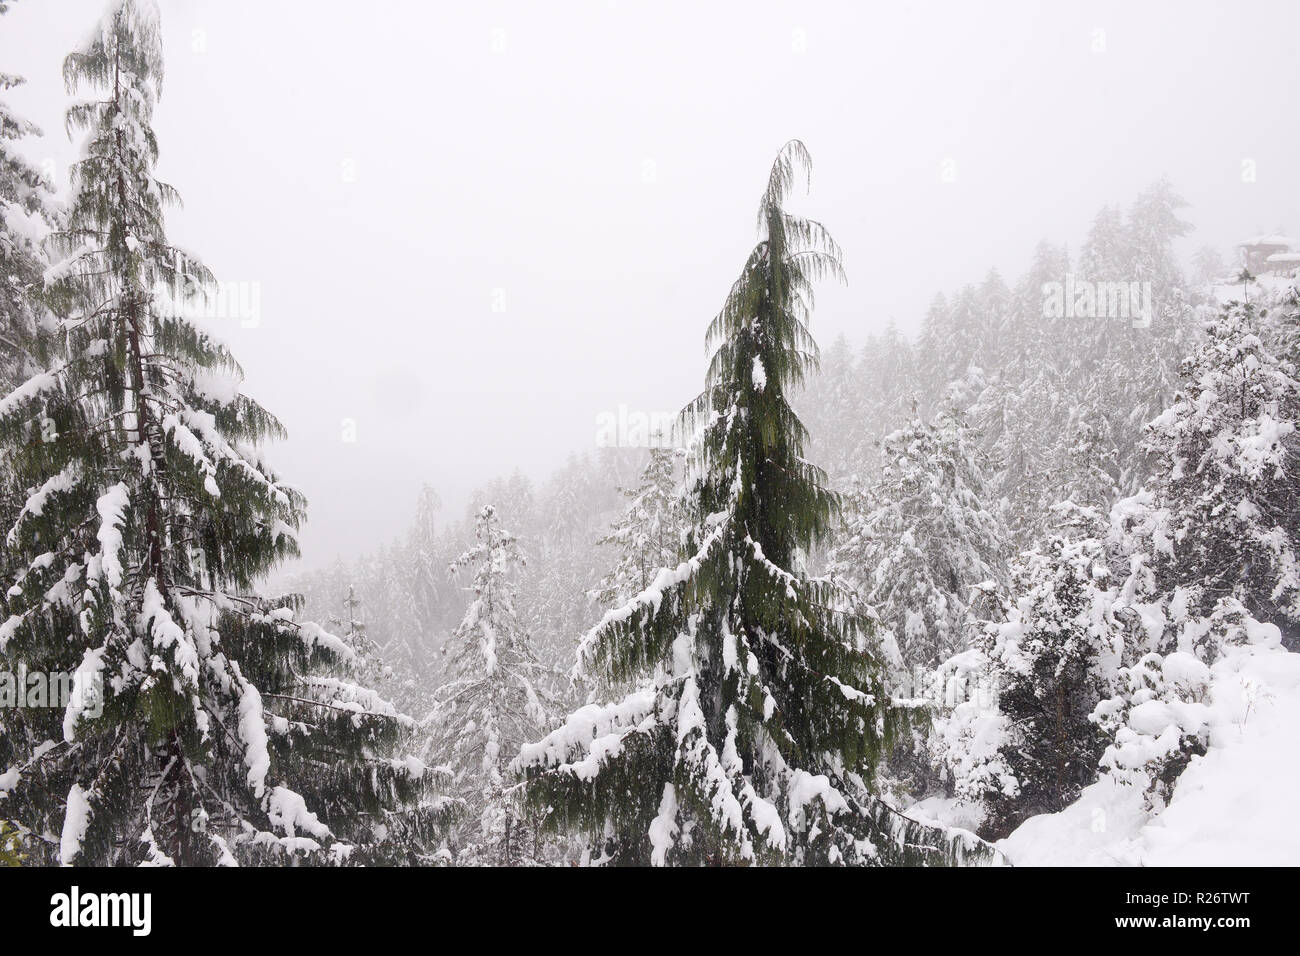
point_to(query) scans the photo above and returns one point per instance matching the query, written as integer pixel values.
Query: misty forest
(1022, 587)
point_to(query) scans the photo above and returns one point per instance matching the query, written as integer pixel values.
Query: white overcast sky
(499, 153)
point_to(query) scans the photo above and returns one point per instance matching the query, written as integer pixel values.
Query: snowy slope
(1231, 806)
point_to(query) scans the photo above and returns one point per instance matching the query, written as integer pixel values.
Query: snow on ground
(947, 812)
(1232, 806)
(1262, 288)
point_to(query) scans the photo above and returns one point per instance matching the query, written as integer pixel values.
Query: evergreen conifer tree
(427, 582)
(756, 737)
(1052, 661)
(1024, 405)
(1227, 478)
(920, 540)
(1143, 378)
(355, 634)
(26, 214)
(647, 534)
(888, 369)
(205, 725)
(490, 706)
(833, 407)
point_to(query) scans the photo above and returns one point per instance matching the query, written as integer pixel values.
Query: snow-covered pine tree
(490, 706)
(953, 337)
(1155, 721)
(1095, 354)
(1145, 372)
(934, 326)
(427, 583)
(26, 214)
(355, 634)
(1085, 472)
(1052, 660)
(1021, 409)
(1228, 476)
(920, 540)
(565, 508)
(1211, 552)
(386, 582)
(1208, 269)
(996, 304)
(888, 370)
(1107, 249)
(833, 407)
(514, 500)
(26, 326)
(966, 739)
(149, 517)
(647, 534)
(352, 627)
(556, 596)
(755, 740)
(1281, 324)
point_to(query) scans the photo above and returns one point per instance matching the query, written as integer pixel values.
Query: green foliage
(1227, 449)
(761, 711)
(647, 534)
(1052, 662)
(922, 541)
(10, 846)
(143, 516)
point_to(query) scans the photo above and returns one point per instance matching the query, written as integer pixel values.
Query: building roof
(1274, 241)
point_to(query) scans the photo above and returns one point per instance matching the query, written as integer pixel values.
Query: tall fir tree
(888, 369)
(1096, 358)
(1023, 405)
(427, 583)
(355, 633)
(755, 739)
(1227, 479)
(557, 593)
(832, 405)
(921, 542)
(27, 212)
(647, 534)
(953, 338)
(490, 706)
(205, 725)
(1147, 373)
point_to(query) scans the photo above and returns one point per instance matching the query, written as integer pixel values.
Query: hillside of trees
(878, 604)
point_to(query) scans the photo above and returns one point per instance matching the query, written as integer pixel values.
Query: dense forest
(882, 603)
